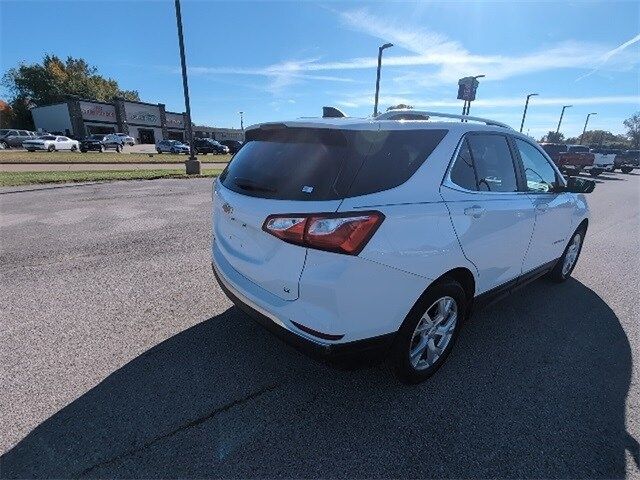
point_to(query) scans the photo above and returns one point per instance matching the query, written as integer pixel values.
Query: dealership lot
(120, 356)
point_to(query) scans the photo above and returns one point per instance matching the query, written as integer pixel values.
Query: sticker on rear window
(307, 189)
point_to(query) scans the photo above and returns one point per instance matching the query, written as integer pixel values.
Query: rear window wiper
(250, 185)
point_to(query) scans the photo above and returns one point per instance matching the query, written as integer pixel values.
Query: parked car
(400, 229)
(14, 138)
(172, 146)
(51, 143)
(223, 149)
(572, 159)
(207, 145)
(101, 143)
(570, 163)
(627, 161)
(232, 145)
(127, 139)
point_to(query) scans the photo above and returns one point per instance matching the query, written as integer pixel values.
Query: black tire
(626, 169)
(159, 151)
(102, 149)
(118, 149)
(52, 148)
(74, 148)
(557, 274)
(403, 342)
(204, 153)
(594, 172)
(83, 151)
(30, 150)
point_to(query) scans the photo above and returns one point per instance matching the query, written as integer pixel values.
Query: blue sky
(278, 60)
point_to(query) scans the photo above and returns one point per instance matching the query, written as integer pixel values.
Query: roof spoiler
(332, 112)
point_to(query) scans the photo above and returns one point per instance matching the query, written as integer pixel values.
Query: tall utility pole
(585, 125)
(469, 101)
(241, 121)
(193, 164)
(526, 105)
(380, 49)
(562, 115)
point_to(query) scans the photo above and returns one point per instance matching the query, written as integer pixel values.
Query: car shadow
(535, 387)
(603, 177)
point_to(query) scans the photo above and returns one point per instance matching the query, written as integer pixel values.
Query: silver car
(172, 146)
(14, 138)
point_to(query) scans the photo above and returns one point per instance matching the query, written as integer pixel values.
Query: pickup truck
(572, 159)
(627, 160)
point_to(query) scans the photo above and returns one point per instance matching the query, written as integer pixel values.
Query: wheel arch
(584, 224)
(461, 275)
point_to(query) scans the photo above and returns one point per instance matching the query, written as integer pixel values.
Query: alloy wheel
(572, 254)
(433, 333)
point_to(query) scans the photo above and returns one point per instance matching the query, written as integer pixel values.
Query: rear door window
(463, 172)
(495, 170)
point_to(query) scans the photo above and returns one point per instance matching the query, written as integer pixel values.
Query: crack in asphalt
(185, 426)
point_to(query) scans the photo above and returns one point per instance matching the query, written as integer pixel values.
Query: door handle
(476, 211)
(542, 207)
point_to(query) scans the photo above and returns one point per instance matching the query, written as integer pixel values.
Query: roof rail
(412, 114)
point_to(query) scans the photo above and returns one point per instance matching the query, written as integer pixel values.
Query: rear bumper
(340, 354)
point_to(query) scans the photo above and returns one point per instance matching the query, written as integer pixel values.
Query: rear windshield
(326, 164)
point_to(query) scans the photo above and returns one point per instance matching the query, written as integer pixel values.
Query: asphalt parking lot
(121, 357)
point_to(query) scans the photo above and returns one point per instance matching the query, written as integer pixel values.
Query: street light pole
(585, 125)
(380, 49)
(526, 105)
(193, 164)
(562, 115)
(469, 101)
(241, 121)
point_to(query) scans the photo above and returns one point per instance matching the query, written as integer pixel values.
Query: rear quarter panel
(416, 238)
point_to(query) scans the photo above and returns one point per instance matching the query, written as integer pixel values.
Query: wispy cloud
(454, 61)
(434, 58)
(356, 101)
(281, 75)
(610, 54)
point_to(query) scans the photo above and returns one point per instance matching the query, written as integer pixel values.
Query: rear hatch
(278, 171)
(301, 170)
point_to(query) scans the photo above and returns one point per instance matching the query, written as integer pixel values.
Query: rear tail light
(335, 232)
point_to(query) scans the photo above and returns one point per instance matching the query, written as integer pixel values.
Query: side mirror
(579, 185)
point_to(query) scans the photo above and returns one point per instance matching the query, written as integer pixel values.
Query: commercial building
(216, 133)
(146, 122)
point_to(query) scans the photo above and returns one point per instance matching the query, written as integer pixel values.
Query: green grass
(29, 178)
(18, 156)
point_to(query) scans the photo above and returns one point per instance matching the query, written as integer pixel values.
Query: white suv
(360, 237)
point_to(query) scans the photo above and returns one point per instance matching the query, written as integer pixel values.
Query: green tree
(633, 129)
(55, 80)
(600, 137)
(553, 137)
